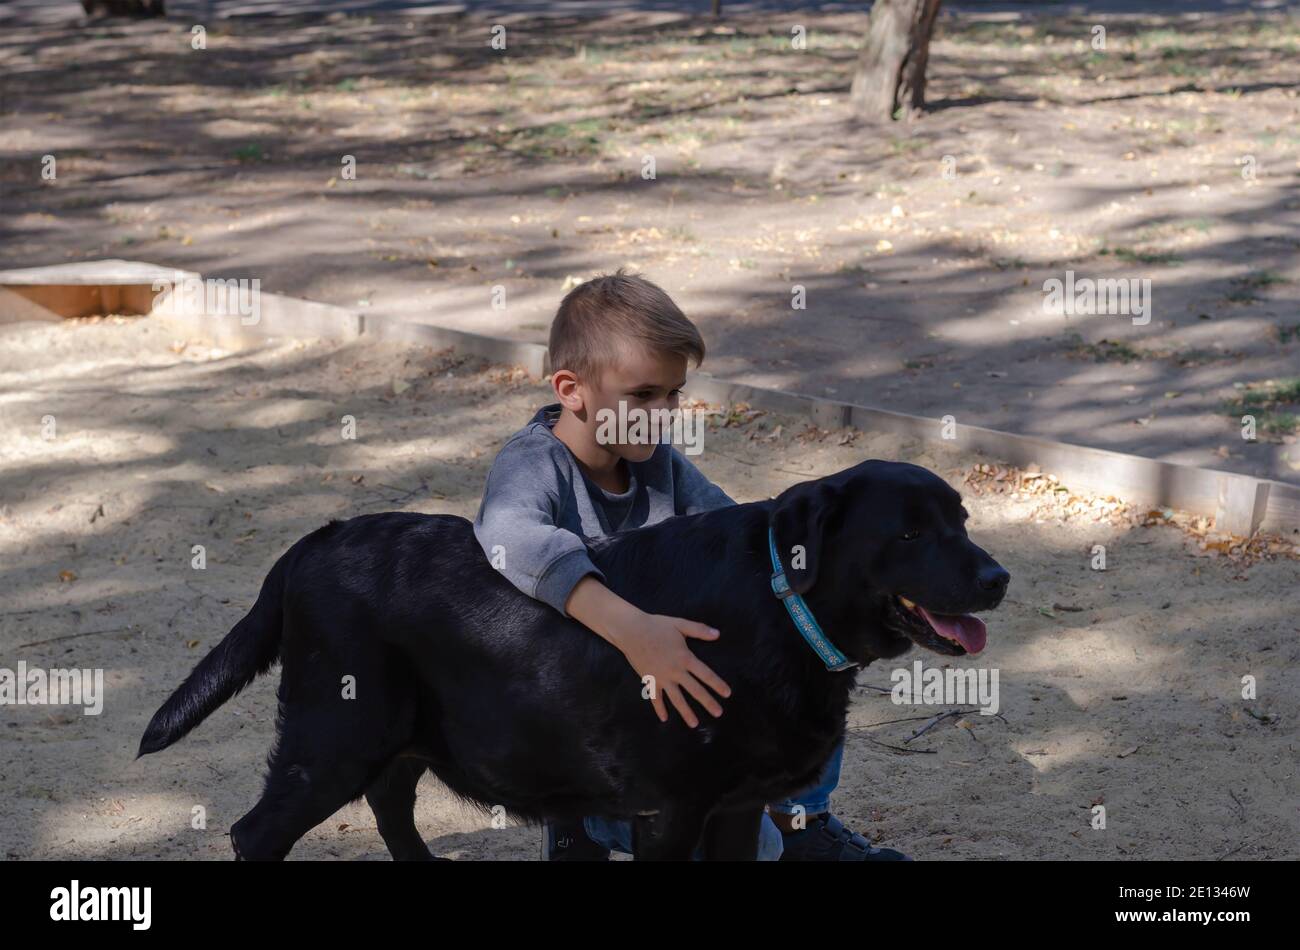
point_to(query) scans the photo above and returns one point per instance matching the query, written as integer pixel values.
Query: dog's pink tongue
(969, 631)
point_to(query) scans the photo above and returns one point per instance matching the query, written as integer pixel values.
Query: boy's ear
(800, 521)
(565, 384)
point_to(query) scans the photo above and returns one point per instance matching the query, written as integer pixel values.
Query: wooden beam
(1240, 504)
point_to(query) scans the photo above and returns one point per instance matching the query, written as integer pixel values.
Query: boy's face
(644, 383)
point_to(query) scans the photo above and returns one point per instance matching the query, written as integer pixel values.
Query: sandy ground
(1120, 688)
(922, 247)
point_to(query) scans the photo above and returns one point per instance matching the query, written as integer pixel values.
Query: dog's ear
(800, 521)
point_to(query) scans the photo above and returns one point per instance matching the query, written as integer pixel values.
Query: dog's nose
(994, 578)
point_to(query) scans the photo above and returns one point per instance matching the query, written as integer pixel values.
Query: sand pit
(1120, 688)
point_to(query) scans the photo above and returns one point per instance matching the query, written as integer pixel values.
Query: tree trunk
(890, 78)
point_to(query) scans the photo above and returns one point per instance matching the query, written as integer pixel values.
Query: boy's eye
(646, 394)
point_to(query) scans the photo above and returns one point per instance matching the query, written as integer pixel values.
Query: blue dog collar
(803, 619)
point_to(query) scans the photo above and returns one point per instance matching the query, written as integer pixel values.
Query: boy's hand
(655, 645)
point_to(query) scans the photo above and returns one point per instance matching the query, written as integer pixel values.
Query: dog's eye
(910, 536)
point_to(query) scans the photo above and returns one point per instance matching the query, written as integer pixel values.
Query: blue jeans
(616, 835)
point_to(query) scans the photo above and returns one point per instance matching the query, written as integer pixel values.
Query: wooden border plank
(1240, 504)
(531, 357)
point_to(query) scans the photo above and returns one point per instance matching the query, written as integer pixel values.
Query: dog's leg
(392, 799)
(733, 835)
(303, 788)
(330, 749)
(296, 800)
(670, 834)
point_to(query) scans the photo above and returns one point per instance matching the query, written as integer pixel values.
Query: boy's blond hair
(598, 318)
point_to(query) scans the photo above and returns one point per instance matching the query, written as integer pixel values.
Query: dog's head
(880, 550)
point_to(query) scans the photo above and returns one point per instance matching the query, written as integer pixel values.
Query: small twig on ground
(889, 722)
(400, 491)
(1236, 849)
(23, 613)
(201, 593)
(934, 721)
(1241, 809)
(886, 745)
(403, 493)
(74, 636)
(127, 520)
(735, 458)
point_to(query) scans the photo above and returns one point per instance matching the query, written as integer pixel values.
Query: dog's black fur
(512, 705)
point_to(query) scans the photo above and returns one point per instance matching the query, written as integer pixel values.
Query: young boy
(619, 339)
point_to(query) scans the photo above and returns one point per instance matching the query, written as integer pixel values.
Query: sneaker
(826, 839)
(568, 841)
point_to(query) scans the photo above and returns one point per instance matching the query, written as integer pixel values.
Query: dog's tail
(247, 651)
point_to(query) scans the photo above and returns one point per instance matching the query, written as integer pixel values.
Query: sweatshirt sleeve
(694, 493)
(517, 525)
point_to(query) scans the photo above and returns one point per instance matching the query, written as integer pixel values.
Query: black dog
(512, 705)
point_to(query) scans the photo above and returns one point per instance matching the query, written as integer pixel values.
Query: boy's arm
(655, 646)
(516, 527)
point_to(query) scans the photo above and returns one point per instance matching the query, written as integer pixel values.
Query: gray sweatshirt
(538, 506)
